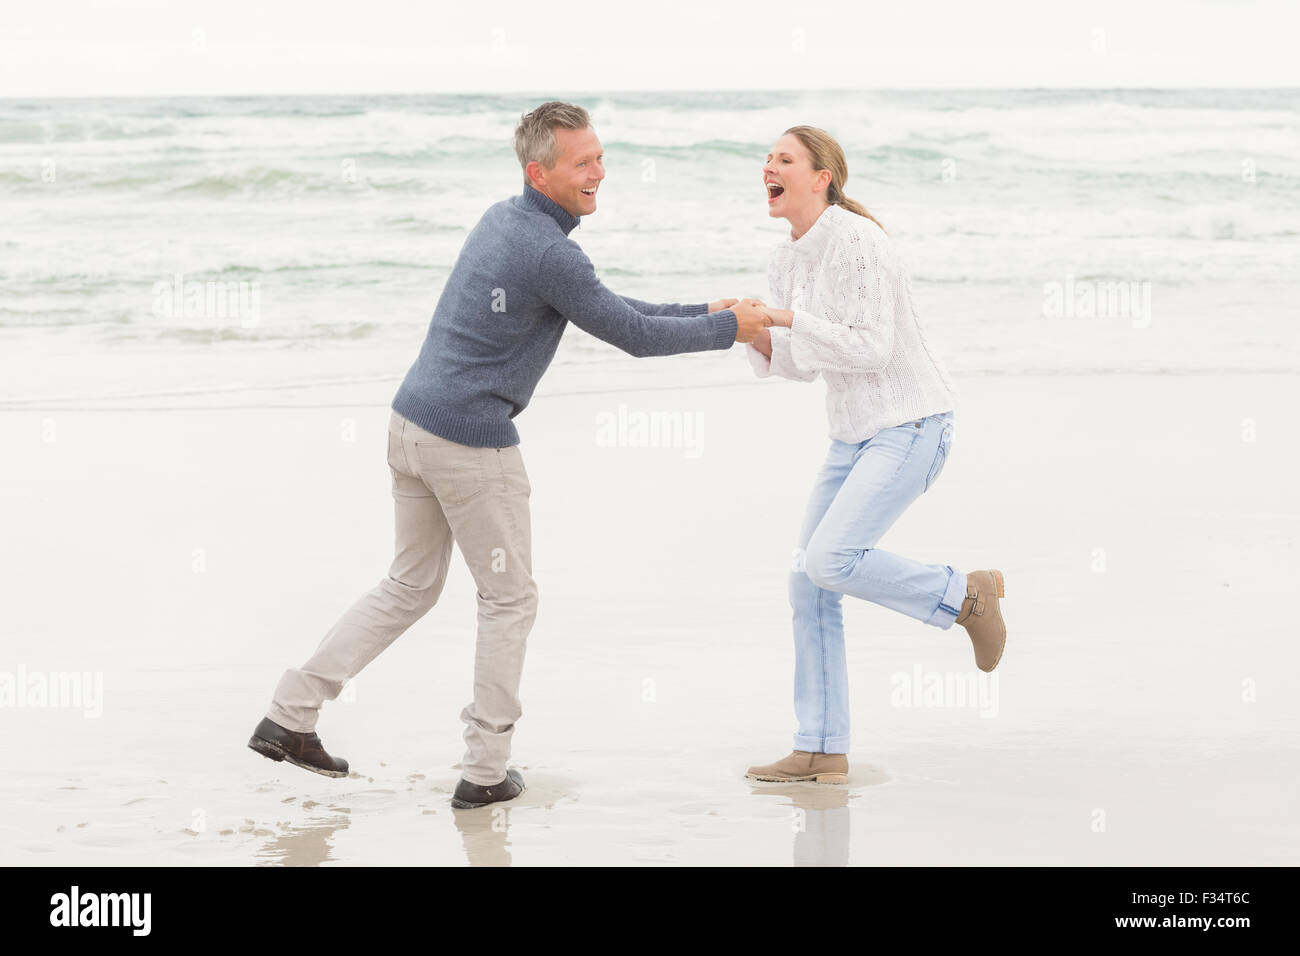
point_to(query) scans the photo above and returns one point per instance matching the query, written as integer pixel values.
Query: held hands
(778, 316)
(750, 319)
(753, 319)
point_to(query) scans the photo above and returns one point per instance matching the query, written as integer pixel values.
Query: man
(454, 451)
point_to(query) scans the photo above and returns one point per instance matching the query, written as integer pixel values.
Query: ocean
(174, 248)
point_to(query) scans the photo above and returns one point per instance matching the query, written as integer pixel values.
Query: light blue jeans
(860, 492)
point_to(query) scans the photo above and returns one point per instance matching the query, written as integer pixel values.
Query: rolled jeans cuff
(822, 745)
(945, 615)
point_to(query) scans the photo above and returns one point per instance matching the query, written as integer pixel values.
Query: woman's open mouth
(773, 191)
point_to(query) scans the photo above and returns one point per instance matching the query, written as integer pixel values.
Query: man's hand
(779, 316)
(750, 319)
(721, 304)
(763, 342)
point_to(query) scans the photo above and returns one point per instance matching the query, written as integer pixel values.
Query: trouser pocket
(940, 456)
(454, 472)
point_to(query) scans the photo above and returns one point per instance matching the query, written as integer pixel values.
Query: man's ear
(536, 173)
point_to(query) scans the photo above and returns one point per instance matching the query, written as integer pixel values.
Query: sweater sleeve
(567, 282)
(781, 363)
(853, 327)
(665, 308)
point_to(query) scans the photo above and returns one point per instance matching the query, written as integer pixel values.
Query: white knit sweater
(855, 325)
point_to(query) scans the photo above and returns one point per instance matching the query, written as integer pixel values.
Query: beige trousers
(443, 492)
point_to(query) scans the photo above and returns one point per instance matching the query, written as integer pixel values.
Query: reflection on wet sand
(819, 821)
(485, 832)
(485, 835)
(307, 845)
(820, 815)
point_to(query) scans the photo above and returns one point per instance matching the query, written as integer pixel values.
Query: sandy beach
(1143, 712)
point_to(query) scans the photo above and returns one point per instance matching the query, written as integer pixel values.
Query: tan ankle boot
(803, 765)
(981, 615)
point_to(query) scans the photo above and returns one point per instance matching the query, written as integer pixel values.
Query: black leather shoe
(468, 795)
(302, 750)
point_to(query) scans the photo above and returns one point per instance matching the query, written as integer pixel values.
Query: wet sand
(1143, 712)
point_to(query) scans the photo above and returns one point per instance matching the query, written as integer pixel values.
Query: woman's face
(793, 186)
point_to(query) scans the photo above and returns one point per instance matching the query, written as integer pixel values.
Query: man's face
(572, 182)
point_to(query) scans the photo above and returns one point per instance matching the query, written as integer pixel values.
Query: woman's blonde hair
(827, 154)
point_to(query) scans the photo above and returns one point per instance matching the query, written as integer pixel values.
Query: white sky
(161, 47)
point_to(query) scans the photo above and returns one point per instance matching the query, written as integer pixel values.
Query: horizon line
(650, 90)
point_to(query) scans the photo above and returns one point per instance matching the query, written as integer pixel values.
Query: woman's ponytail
(827, 154)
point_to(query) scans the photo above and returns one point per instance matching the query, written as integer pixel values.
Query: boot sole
(815, 778)
(273, 751)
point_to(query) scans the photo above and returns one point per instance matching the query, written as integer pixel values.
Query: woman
(841, 308)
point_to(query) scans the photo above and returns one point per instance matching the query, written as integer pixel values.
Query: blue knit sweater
(519, 280)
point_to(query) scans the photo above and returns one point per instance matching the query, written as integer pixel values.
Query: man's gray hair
(535, 134)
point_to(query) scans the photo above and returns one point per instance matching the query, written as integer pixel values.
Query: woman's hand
(779, 316)
(763, 342)
(721, 304)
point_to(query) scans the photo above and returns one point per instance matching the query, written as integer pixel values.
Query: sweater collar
(532, 199)
(812, 238)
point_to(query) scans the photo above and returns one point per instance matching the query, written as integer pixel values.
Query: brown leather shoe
(302, 750)
(804, 765)
(981, 615)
